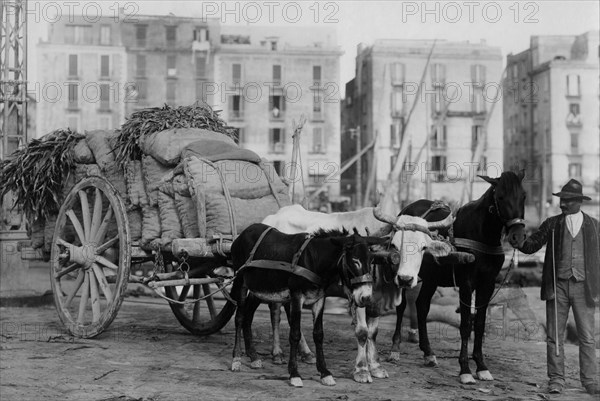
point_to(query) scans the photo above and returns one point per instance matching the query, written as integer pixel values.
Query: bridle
(508, 223)
(348, 275)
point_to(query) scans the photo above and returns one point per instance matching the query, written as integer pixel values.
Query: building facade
(551, 117)
(458, 100)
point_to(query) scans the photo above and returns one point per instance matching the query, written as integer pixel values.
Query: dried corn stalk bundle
(35, 173)
(148, 121)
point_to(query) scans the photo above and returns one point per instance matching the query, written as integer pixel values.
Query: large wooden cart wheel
(204, 317)
(90, 258)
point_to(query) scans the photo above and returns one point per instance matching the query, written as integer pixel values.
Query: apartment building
(458, 103)
(265, 79)
(82, 71)
(551, 117)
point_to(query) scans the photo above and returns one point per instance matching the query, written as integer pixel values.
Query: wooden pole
(358, 168)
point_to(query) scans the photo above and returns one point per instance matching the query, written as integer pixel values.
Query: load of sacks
(189, 183)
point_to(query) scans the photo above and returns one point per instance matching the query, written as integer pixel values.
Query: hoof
(484, 375)
(467, 378)
(394, 357)
(363, 377)
(308, 357)
(278, 359)
(328, 381)
(379, 373)
(236, 364)
(296, 382)
(256, 364)
(431, 361)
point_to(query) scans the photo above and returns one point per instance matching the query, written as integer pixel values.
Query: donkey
(317, 261)
(478, 230)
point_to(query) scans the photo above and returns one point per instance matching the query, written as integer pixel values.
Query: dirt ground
(146, 355)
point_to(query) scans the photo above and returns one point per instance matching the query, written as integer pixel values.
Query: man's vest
(570, 262)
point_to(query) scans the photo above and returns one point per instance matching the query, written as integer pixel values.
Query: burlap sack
(36, 233)
(136, 192)
(102, 143)
(153, 173)
(166, 146)
(169, 219)
(135, 224)
(151, 229)
(82, 153)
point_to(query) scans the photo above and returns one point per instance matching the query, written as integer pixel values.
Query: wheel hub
(83, 255)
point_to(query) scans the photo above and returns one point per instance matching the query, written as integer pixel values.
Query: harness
(295, 268)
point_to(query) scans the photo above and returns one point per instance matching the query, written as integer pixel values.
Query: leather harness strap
(478, 246)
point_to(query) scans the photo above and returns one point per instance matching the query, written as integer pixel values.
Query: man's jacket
(551, 233)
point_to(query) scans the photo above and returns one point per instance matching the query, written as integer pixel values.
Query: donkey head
(355, 267)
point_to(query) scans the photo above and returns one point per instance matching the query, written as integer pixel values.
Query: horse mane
(328, 233)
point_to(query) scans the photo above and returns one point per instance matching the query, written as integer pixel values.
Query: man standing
(570, 279)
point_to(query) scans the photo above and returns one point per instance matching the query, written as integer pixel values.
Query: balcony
(278, 147)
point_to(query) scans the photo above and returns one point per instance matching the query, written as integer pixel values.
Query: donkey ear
(492, 181)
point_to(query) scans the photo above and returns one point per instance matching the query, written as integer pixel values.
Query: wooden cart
(90, 266)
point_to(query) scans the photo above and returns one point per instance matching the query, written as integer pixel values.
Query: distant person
(570, 279)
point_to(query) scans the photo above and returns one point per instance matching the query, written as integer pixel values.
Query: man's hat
(572, 189)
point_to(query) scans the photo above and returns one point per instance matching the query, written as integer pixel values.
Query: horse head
(412, 237)
(355, 267)
(508, 203)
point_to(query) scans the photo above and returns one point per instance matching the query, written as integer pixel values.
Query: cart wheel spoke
(100, 250)
(97, 216)
(76, 225)
(84, 298)
(85, 212)
(104, 226)
(78, 283)
(209, 301)
(95, 298)
(67, 270)
(184, 292)
(102, 282)
(196, 312)
(105, 262)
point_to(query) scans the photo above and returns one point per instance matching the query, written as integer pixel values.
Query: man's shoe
(592, 389)
(555, 388)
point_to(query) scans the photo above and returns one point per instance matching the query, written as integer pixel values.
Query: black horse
(477, 229)
(317, 261)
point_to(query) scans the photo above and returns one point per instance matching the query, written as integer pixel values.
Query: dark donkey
(477, 229)
(317, 261)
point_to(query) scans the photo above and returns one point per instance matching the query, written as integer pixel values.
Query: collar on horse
(293, 267)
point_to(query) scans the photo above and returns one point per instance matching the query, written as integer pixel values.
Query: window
(104, 66)
(316, 75)
(573, 85)
(104, 97)
(236, 74)
(278, 164)
(397, 104)
(573, 118)
(575, 171)
(200, 67)
(478, 101)
(241, 136)
(482, 166)
(438, 166)
(476, 136)
(396, 132)
(317, 105)
(73, 66)
(172, 65)
(140, 65)
(439, 137)
(273, 45)
(72, 96)
(438, 74)
(171, 89)
(393, 136)
(276, 107)
(236, 107)
(140, 35)
(437, 105)
(318, 141)
(575, 143)
(277, 74)
(142, 92)
(478, 74)
(78, 34)
(397, 73)
(201, 34)
(277, 140)
(105, 35)
(171, 35)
